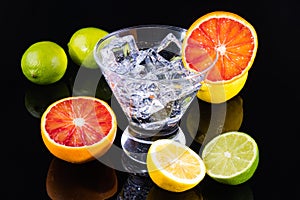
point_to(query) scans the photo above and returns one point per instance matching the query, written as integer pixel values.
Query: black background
(271, 93)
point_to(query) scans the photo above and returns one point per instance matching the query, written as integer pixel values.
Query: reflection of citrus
(87, 82)
(103, 90)
(231, 158)
(44, 62)
(39, 97)
(81, 46)
(227, 116)
(237, 192)
(78, 129)
(236, 42)
(93, 181)
(173, 166)
(157, 193)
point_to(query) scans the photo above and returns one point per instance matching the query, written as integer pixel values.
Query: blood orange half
(78, 129)
(233, 38)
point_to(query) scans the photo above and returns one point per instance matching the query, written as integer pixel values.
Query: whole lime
(44, 63)
(81, 46)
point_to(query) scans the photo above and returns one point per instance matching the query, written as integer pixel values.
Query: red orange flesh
(227, 34)
(77, 129)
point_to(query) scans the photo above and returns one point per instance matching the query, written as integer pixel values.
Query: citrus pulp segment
(78, 129)
(231, 158)
(44, 63)
(234, 40)
(173, 166)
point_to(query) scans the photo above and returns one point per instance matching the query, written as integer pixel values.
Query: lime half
(231, 158)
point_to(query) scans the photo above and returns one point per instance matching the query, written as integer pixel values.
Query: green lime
(81, 46)
(231, 158)
(44, 63)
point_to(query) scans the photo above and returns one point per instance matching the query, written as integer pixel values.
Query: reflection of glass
(132, 166)
(135, 187)
(143, 68)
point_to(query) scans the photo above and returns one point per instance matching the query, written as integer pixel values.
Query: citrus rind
(221, 92)
(221, 14)
(81, 46)
(236, 45)
(80, 154)
(44, 62)
(160, 173)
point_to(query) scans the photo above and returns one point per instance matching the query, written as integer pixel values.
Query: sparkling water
(152, 86)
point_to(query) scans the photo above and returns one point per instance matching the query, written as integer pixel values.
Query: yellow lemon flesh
(173, 166)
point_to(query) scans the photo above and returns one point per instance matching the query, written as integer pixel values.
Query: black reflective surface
(268, 103)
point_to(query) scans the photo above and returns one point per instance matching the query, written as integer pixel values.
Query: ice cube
(151, 76)
(155, 63)
(167, 95)
(154, 107)
(178, 75)
(153, 87)
(141, 56)
(137, 71)
(171, 44)
(120, 53)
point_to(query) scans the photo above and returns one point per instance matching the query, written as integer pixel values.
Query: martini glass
(144, 70)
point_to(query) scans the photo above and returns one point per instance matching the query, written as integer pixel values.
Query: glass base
(137, 148)
(132, 166)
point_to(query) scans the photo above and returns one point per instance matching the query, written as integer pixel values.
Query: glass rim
(193, 74)
(175, 28)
